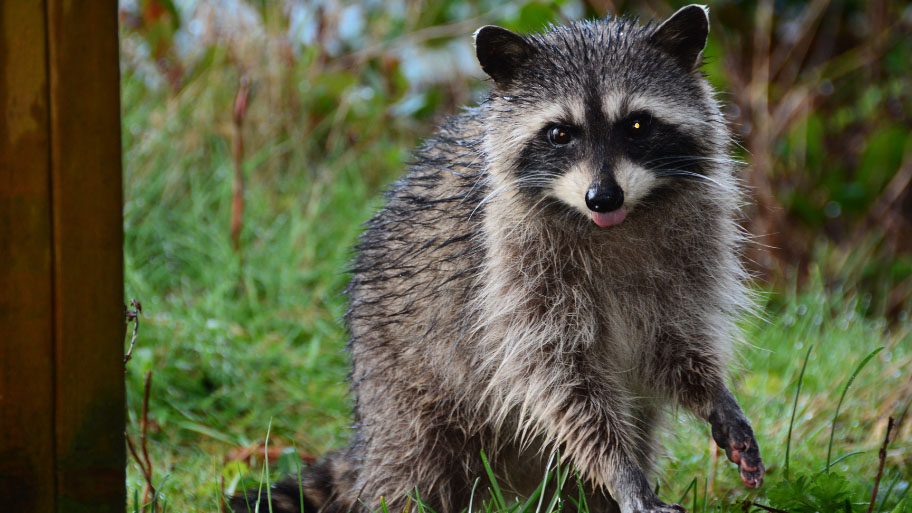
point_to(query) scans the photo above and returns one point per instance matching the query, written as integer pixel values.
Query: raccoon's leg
(693, 376)
(521, 467)
(646, 418)
(419, 450)
(591, 423)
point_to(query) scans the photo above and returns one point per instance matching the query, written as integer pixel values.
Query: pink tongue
(606, 219)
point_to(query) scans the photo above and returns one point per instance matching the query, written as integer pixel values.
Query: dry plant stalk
(143, 460)
(748, 504)
(237, 190)
(883, 460)
(132, 316)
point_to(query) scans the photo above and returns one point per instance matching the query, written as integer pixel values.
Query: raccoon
(559, 267)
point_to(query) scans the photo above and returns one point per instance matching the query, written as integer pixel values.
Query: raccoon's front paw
(737, 438)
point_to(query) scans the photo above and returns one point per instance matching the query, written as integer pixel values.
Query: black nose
(604, 198)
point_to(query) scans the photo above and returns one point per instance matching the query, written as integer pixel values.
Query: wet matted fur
(559, 266)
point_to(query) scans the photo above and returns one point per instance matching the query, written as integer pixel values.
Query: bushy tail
(315, 493)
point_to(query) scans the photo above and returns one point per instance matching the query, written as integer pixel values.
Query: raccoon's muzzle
(606, 203)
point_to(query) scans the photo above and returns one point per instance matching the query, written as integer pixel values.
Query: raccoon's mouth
(606, 202)
(606, 219)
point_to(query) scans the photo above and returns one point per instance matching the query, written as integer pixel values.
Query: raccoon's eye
(638, 126)
(560, 135)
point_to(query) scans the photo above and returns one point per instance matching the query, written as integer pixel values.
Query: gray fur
(487, 311)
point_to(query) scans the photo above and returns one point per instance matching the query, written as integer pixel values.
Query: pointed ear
(500, 52)
(683, 36)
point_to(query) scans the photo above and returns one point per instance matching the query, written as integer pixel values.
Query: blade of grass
(788, 439)
(472, 496)
(246, 495)
(705, 492)
(902, 496)
(298, 468)
(839, 405)
(495, 488)
(883, 501)
(548, 473)
(837, 460)
(583, 506)
(692, 484)
(256, 508)
(266, 459)
(561, 478)
(157, 493)
(422, 506)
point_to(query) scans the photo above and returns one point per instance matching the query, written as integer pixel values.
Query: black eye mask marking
(640, 137)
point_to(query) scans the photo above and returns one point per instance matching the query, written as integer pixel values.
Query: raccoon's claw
(747, 455)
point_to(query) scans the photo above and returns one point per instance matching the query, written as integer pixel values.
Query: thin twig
(241, 101)
(769, 508)
(143, 427)
(147, 472)
(132, 315)
(883, 460)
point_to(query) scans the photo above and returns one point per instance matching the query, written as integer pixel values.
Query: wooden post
(61, 260)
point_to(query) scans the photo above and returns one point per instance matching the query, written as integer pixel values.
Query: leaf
(827, 492)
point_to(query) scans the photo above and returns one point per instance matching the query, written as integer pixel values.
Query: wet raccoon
(559, 265)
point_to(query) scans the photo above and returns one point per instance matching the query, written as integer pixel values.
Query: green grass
(245, 344)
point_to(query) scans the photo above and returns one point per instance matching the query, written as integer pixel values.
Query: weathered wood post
(61, 260)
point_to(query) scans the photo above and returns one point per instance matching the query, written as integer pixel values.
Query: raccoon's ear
(500, 52)
(683, 36)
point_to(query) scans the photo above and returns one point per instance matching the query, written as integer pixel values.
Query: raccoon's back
(418, 260)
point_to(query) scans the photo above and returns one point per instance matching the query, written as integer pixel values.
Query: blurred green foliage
(819, 94)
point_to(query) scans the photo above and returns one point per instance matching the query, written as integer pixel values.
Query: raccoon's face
(600, 116)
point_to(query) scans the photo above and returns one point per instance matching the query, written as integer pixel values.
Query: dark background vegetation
(258, 135)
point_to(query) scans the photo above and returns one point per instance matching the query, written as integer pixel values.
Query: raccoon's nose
(604, 199)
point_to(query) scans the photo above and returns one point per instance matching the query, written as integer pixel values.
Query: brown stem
(147, 472)
(880, 468)
(223, 508)
(143, 427)
(237, 190)
(769, 508)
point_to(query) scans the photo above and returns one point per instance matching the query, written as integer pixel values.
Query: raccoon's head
(598, 117)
